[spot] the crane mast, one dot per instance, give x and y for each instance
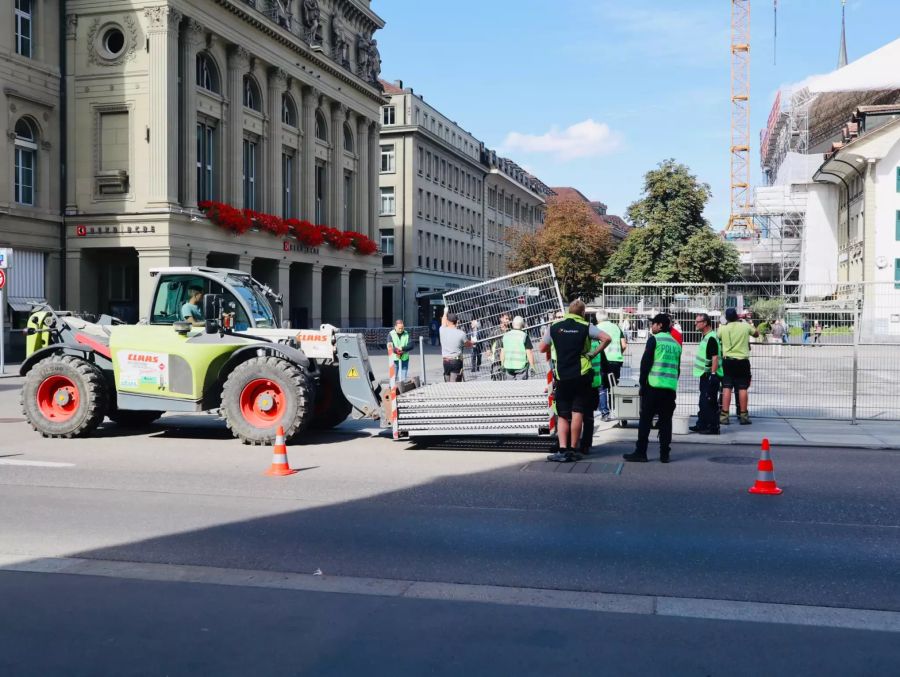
(739, 220)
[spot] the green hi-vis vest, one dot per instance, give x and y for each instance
(666, 362)
(596, 363)
(401, 342)
(570, 338)
(614, 349)
(514, 356)
(702, 364)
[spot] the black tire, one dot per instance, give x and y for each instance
(88, 381)
(332, 408)
(295, 388)
(133, 419)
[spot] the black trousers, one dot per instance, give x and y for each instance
(708, 406)
(656, 402)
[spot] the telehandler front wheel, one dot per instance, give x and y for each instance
(64, 396)
(263, 393)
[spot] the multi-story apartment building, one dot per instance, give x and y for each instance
(272, 106)
(618, 228)
(515, 203)
(431, 206)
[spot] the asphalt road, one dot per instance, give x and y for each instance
(184, 493)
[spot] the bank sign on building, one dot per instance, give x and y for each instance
(228, 133)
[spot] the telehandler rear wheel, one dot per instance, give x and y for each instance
(64, 396)
(263, 393)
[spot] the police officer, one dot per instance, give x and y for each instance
(660, 368)
(570, 340)
(614, 357)
(516, 352)
(398, 349)
(708, 367)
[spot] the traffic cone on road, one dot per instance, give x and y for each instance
(279, 458)
(765, 473)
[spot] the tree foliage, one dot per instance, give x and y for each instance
(672, 242)
(570, 239)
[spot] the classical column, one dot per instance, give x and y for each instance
(345, 297)
(191, 42)
(336, 215)
(71, 114)
(162, 35)
(315, 301)
(373, 181)
(238, 65)
(277, 85)
(378, 310)
(72, 300)
(308, 172)
(284, 288)
(362, 179)
(371, 292)
(245, 263)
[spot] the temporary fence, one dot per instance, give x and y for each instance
(826, 351)
(486, 310)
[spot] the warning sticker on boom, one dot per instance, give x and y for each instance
(352, 373)
(138, 369)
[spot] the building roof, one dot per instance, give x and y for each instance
(598, 210)
(392, 87)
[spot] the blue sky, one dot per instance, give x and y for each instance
(593, 93)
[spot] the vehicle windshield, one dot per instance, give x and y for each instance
(263, 316)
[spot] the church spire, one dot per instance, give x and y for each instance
(842, 57)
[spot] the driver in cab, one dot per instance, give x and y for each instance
(192, 311)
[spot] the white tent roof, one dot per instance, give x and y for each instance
(877, 70)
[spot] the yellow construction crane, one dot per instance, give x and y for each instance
(740, 221)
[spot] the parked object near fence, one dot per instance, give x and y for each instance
(849, 369)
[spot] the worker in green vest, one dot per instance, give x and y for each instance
(516, 352)
(615, 356)
(598, 365)
(660, 368)
(708, 368)
(398, 351)
(735, 338)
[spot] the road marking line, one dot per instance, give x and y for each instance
(649, 605)
(38, 464)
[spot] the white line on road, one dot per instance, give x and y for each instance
(712, 609)
(37, 464)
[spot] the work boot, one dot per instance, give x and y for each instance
(723, 418)
(562, 456)
(709, 431)
(695, 428)
(745, 418)
(663, 456)
(635, 457)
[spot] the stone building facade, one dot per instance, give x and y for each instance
(269, 105)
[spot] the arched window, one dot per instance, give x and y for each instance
(288, 110)
(252, 97)
(207, 73)
(348, 139)
(321, 127)
(26, 159)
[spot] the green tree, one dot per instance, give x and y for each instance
(572, 241)
(671, 241)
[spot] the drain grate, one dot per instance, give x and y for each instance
(733, 460)
(577, 468)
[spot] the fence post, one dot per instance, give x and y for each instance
(855, 378)
(422, 356)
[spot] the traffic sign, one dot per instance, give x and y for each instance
(2, 278)
(4, 258)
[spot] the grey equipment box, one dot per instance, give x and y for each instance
(626, 399)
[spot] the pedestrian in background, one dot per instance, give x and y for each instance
(433, 328)
(516, 352)
(735, 338)
(453, 344)
(806, 328)
(398, 351)
(708, 368)
(817, 332)
(615, 356)
(778, 335)
(660, 369)
(496, 363)
(474, 326)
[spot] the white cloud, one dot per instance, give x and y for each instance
(583, 139)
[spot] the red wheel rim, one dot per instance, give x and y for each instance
(58, 398)
(262, 403)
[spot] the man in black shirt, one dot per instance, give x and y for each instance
(708, 368)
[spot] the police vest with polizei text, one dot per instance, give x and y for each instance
(666, 362)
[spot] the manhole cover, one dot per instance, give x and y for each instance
(579, 468)
(12, 420)
(733, 460)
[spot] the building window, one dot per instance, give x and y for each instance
(419, 202)
(387, 201)
(321, 127)
(206, 142)
(250, 164)
(348, 200)
(320, 193)
(288, 110)
(24, 25)
(387, 242)
(387, 159)
(252, 98)
(388, 115)
(207, 73)
(26, 159)
(421, 160)
(287, 184)
(348, 139)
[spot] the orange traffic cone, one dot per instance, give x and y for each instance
(279, 459)
(765, 473)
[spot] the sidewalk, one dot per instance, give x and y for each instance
(785, 432)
